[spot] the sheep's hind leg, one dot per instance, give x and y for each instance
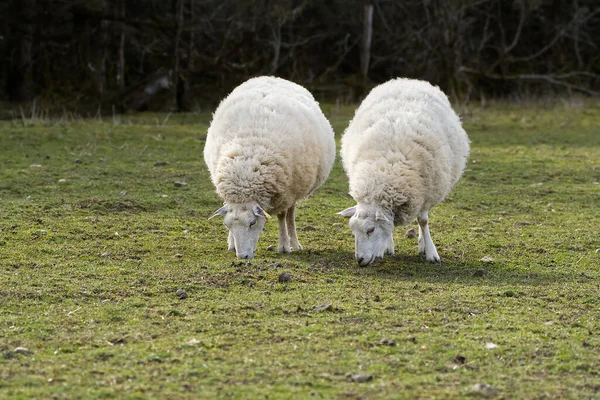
(426, 245)
(284, 237)
(230, 242)
(291, 227)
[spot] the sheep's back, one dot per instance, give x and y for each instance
(407, 129)
(280, 120)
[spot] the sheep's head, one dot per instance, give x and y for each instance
(245, 223)
(372, 228)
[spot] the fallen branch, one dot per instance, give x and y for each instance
(552, 78)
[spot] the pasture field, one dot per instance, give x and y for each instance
(96, 239)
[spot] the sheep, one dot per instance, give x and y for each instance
(268, 146)
(403, 152)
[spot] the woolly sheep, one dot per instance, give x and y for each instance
(268, 146)
(403, 152)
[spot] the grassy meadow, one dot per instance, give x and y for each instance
(113, 283)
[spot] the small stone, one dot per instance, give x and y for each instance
(180, 184)
(29, 198)
(186, 231)
(164, 196)
(41, 232)
(63, 180)
(35, 166)
(77, 161)
(117, 234)
(102, 159)
(598, 251)
(284, 277)
(181, 294)
(22, 350)
(491, 346)
(123, 193)
(387, 342)
(459, 359)
(105, 254)
(479, 273)
(323, 307)
(485, 388)
(361, 378)
(179, 255)
(271, 248)
(309, 228)
(338, 225)
(487, 259)
(411, 233)
(193, 342)
(160, 164)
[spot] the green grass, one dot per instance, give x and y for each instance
(89, 268)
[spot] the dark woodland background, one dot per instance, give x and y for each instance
(185, 54)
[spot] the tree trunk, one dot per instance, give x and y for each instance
(365, 53)
(191, 46)
(276, 30)
(179, 84)
(121, 65)
(20, 79)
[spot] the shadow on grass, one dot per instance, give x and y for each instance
(414, 268)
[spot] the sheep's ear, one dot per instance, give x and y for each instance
(220, 211)
(259, 212)
(348, 212)
(379, 216)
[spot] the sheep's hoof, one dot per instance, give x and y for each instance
(297, 247)
(232, 249)
(284, 249)
(434, 258)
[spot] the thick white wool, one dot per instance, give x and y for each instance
(269, 142)
(405, 148)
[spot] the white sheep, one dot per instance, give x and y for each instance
(268, 146)
(403, 152)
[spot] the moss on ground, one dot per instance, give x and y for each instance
(95, 240)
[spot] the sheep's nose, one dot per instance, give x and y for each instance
(363, 262)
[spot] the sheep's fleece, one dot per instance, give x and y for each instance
(269, 143)
(404, 150)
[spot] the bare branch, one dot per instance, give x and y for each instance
(556, 79)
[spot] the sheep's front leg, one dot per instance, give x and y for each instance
(284, 238)
(230, 242)
(426, 245)
(291, 227)
(390, 248)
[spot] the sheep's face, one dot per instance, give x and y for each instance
(245, 223)
(372, 229)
